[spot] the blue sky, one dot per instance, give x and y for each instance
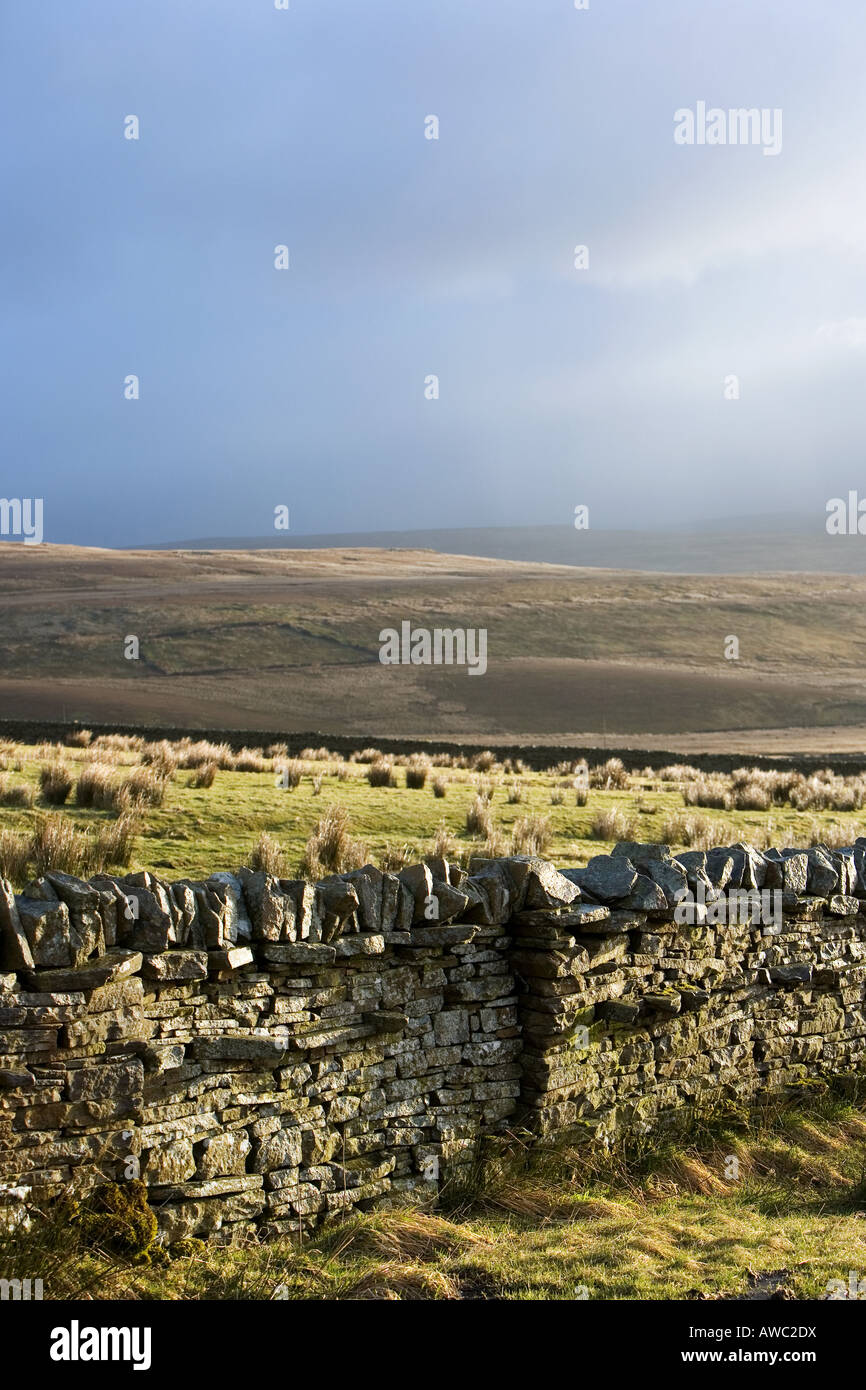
(411, 256)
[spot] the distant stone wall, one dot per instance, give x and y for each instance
(266, 1052)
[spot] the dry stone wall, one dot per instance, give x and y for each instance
(265, 1053)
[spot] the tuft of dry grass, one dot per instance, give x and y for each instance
(479, 817)
(694, 831)
(97, 787)
(57, 845)
(395, 857)
(111, 746)
(675, 772)
(331, 848)
(381, 774)
(290, 774)
(367, 755)
(497, 845)
(14, 857)
(613, 824)
(483, 762)
(713, 792)
(79, 738)
(444, 845)
(114, 844)
(55, 783)
(162, 758)
(268, 856)
(16, 794)
(147, 785)
(198, 753)
(610, 775)
(417, 771)
(251, 760)
(204, 775)
(531, 835)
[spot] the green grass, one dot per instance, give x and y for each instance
(198, 830)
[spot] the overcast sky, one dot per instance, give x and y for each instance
(411, 256)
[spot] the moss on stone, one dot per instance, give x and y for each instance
(116, 1217)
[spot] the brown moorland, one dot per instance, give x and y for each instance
(289, 639)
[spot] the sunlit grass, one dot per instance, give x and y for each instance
(198, 829)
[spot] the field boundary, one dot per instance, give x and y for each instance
(535, 756)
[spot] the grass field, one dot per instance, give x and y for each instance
(492, 808)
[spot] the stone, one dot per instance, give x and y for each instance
(110, 1081)
(842, 905)
(223, 1155)
(336, 904)
(844, 861)
(316, 1078)
(489, 895)
(608, 877)
(228, 889)
(169, 1164)
(307, 953)
(795, 871)
(750, 868)
(451, 1026)
(646, 896)
(368, 883)
(74, 891)
(385, 1021)
(670, 1004)
(53, 940)
(692, 997)
(547, 888)
(823, 876)
(272, 912)
(307, 926)
(161, 1057)
(282, 1149)
(419, 880)
(658, 864)
(791, 974)
(448, 902)
(720, 867)
(15, 952)
(620, 1010)
(457, 935)
(229, 958)
(116, 964)
(360, 944)
(176, 965)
